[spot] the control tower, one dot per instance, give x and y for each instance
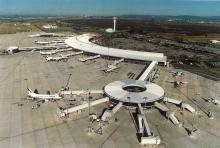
(114, 20)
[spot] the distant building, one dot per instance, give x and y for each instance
(201, 22)
(50, 26)
(215, 41)
(109, 30)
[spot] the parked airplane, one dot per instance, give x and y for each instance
(112, 67)
(177, 73)
(212, 100)
(73, 54)
(177, 83)
(48, 52)
(59, 58)
(89, 58)
(42, 43)
(44, 34)
(57, 41)
(42, 97)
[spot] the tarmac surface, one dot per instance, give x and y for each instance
(23, 127)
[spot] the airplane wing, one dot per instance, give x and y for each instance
(33, 50)
(172, 72)
(41, 101)
(184, 82)
(206, 99)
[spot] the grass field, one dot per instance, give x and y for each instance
(14, 27)
(207, 37)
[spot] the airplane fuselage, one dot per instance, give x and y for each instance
(44, 96)
(56, 58)
(48, 53)
(111, 68)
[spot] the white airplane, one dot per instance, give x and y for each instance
(177, 73)
(42, 97)
(110, 68)
(212, 100)
(59, 58)
(113, 66)
(42, 43)
(44, 34)
(59, 40)
(177, 83)
(73, 54)
(56, 51)
(89, 58)
(48, 52)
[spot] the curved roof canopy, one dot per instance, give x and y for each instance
(82, 42)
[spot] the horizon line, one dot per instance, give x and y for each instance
(84, 15)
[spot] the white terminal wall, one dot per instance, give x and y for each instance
(82, 42)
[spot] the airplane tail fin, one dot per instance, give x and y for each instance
(29, 90)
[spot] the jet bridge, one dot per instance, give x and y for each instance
(81, 92)
(169, 114)
(144, 129)
(109, 113)
(65, 112)
(180, 103)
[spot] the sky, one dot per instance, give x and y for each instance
(111, 7)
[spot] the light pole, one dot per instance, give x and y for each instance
(89, 127)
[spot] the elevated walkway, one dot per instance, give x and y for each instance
(81, 92)
(109, 113)
(180, 103)
(169, 114)
(144, 129)
(147, 73)
(65, 112)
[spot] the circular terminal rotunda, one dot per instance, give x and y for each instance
(133, 92)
